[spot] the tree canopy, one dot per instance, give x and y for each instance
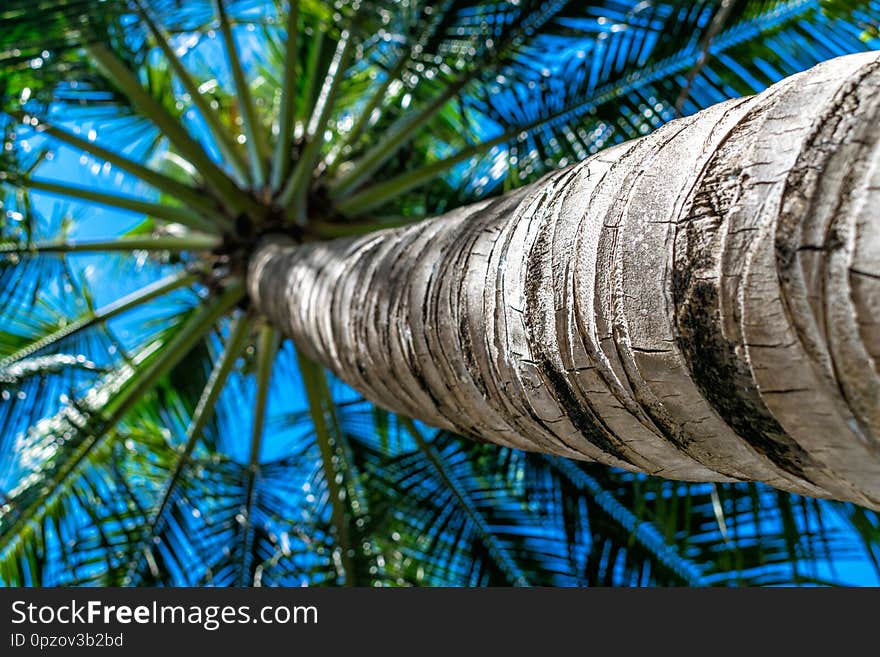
(153, 430)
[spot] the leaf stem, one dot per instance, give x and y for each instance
(191, 197)
(380, 193)
(287, 115)
(363, 118)
(406, 127)
(321, 408)
(194, 242)
(257, 147)
(101, 422)
(267, 346)
(170, 213)
(643, 532)
(204, 411)
(292, 197)
(157, 289)
(225, 188)
(398, 135)
(227, 147)
(511, 570)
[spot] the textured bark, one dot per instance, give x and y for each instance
(702, 303)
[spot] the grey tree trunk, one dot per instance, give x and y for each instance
(702, 303)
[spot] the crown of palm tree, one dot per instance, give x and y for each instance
(154, 429)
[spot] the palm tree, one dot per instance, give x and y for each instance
(148, 428)
(659, 306)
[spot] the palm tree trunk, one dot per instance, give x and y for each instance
(702, 303)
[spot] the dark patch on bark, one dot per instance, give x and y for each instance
(581, 414)
(715, 368)
(583, 419)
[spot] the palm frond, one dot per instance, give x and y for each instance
(148, 436)
(618, 80)
(55, 452)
